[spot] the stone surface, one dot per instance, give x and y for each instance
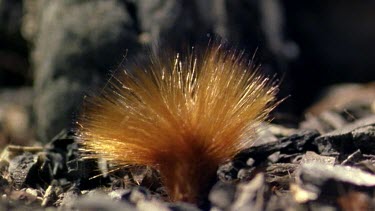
(100, 201)
(68, 199)
(133, 195)
(76, 45)
(319, 178)
(251, 195)
(312, 157)
(15, 118)
(222, 195)
(22, 170)
(284, 150)
(297, 142)
(346, 140)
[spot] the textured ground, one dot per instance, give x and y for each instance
(326, 161)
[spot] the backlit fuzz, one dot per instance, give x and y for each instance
(180, 116)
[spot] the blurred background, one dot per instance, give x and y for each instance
(53, 52)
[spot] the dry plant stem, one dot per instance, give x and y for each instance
(181, 116)
(32, 149)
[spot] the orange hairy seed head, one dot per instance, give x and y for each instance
(183, 117)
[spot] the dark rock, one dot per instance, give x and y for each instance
(365, 137)
(133, 195)
(75, 46)
(222, 195)
(298, 142)
(64, 162)
(23, 170)
(245, 174)
(57, 153)
(4, 184)
(282, 150)
(229, 170)
(346, 140)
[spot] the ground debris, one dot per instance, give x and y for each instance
(330, 166)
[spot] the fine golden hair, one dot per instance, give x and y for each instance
(182, 116)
